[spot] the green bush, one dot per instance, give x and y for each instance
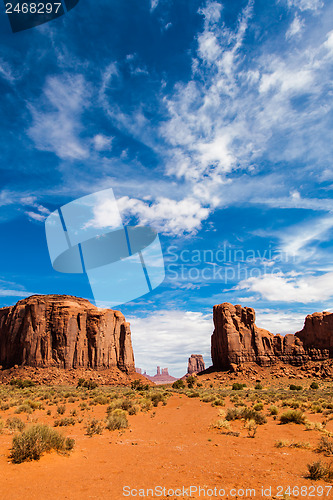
(295, 416)
(15, 424)
(94, 426)
(178, 384)
(258, 406)
(236, 386)
(191, 380)
(157, 398)
(246, 414)
(22, 384)
(31, 443)
(88, 384)
(117, 419)
(258, 387)
(137, 385)
(273, 410)
(314, 385)
(294, 387)
(64, 422)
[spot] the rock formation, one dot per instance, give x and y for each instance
(236, 339)
(196, 364)
(161, 377)
(317, 332)
(66, 332)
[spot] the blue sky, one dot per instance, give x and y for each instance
(211, 121)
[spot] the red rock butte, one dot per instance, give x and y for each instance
(236, 339)
(65, 332)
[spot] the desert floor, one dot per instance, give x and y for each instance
(171, 446)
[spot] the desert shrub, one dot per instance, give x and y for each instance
(137, 385)
(73, 413)
(246, 414)
(24, 408)
(273, 410)
(318, 470)
(22, 384)
(116, 420)
(178, 384)
(64, 422)
(101, 400)
(218, 402)
(258, 386)
(193, 394)
(236, 386)
(4, 406)
(15, 424)
(145, 404)
(88, 384)
(191, 380)
(222, 424)
(2, 425)
(93, 427)
(316, 408)
(314, 385)
(133, 410)
(157, 398)
(299, 444)
(251, 428)
(295, 416)
(31, 443)
(258, 406)
(208, 399)
(325, 446)
(294, 387)
(61, 409)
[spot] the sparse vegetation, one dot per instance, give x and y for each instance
(178, 384)
(93, 427)
(319, 470)
(32, 442)
(117, 419)
(295, 416)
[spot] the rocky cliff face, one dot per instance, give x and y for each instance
(236, 339)
(64, 331)
(317, 332)
(196, 364)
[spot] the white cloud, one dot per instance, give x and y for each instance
(306, 4)
(153, 4)
(102, 142)
(236, 111)
(297, 240)
(289, 288)
(279, 321)
(295, 28)
(6, 71)
(36, 216)
(56, 118)
(166, 215)
(168, 338)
